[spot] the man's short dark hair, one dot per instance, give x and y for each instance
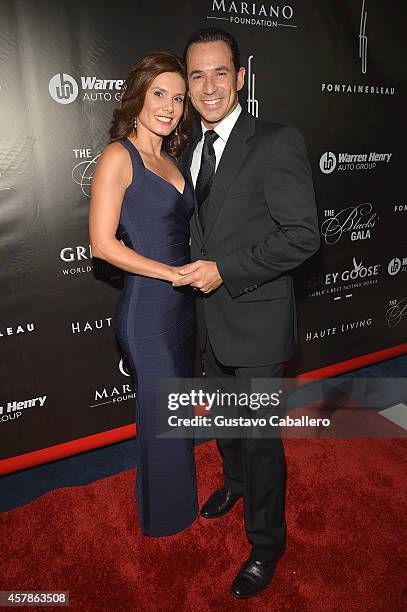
(206, 35)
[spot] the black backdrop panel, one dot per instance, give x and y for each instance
(335, 70)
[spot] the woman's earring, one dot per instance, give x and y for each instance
(176, 131)
(135, 123)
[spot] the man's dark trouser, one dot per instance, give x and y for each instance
(254, 468)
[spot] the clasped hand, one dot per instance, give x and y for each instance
(202, 275)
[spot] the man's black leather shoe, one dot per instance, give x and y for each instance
(253, 577)
(219, 503)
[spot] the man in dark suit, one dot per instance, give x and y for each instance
(255, 221)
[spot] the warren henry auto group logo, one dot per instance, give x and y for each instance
(64, 89)
(397, 265)
(341, 162)
(14, 409)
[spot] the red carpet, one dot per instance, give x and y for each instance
(346, 549)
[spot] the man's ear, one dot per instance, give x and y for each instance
(240, 78)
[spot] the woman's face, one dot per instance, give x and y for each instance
(164, 104)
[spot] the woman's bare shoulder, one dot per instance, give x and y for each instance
(114, 164)
(114, 152)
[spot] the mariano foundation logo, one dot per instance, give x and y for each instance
(115, 394)
(253, 14)
(123, 366)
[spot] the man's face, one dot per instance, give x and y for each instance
(212, 80)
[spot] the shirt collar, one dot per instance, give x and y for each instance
(224, 128)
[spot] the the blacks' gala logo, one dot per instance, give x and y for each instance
(355, 221)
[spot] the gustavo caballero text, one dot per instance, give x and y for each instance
(224, 421)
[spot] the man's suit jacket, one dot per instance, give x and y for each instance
(261, 224)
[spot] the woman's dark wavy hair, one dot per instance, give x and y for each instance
(133, 95)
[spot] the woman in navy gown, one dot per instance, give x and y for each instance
(139, 221)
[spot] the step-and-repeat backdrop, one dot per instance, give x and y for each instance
(333, 69)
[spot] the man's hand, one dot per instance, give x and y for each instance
(202, 275)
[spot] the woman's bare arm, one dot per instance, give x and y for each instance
(112, 176)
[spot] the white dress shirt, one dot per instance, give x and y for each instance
(223, 130)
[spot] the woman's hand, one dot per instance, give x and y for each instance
(173, 274)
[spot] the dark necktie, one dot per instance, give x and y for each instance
(206, 173)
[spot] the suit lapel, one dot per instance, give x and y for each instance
(187, 161)
(236, 150)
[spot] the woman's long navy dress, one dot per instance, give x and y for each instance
(155, 326)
